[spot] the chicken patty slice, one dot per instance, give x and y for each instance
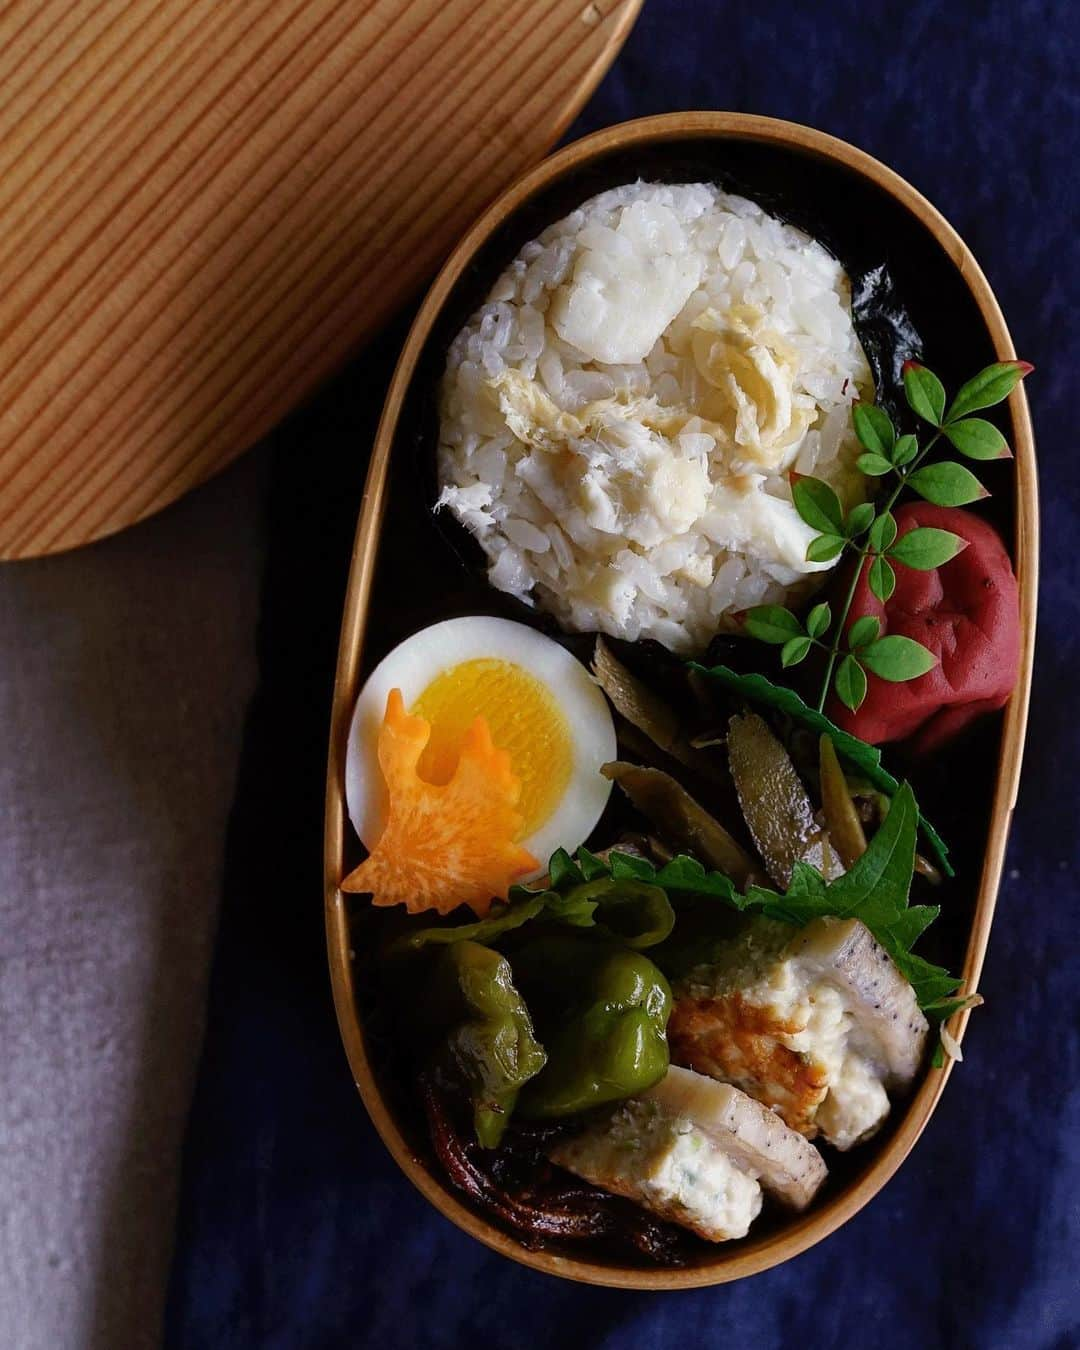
(818, 1025)
(695, 1152)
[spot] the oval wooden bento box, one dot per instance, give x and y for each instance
(955, 310)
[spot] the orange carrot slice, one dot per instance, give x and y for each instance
(448, 845)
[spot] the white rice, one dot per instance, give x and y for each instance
(620, 419)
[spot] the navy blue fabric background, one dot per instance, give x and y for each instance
(296, 1229)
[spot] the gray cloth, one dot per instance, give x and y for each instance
(125, 670)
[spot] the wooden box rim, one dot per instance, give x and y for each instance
(750, 1256)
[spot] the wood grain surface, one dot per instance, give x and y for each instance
(206, 206)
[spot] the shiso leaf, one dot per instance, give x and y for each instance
(562, 869)
(631, 867)
(874, 890)
(866, 758)
(915, 920)
(591, 866)
(686, 876)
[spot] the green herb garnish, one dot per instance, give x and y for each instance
(869, 532)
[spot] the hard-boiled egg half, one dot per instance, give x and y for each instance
(541, 707)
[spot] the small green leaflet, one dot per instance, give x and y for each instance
(905, 450)
(863, 631)
(866, 758)
(772, 623)
(990, 386)
(926, 547)
(977, 438)
(818, 505)
(882, 579)
(818, 620)
(874, 465)
(897, 658)
(874, 429)
(925, 392)
(875, 890)
(825, 548)
(859, 519)
(850, 683)
(883, 532)
(946, 483)
(798, 649)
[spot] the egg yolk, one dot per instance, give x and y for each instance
(524, 720)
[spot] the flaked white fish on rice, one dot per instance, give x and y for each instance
(620, 420)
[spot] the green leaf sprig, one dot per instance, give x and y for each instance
(870, 533)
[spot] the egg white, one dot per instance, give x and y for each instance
(420, 659)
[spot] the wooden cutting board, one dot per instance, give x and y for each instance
(207, 205)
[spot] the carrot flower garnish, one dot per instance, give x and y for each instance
(443, 845)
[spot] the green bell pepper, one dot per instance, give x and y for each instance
(636, 913)
(601, 1012)
(491, 1045)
